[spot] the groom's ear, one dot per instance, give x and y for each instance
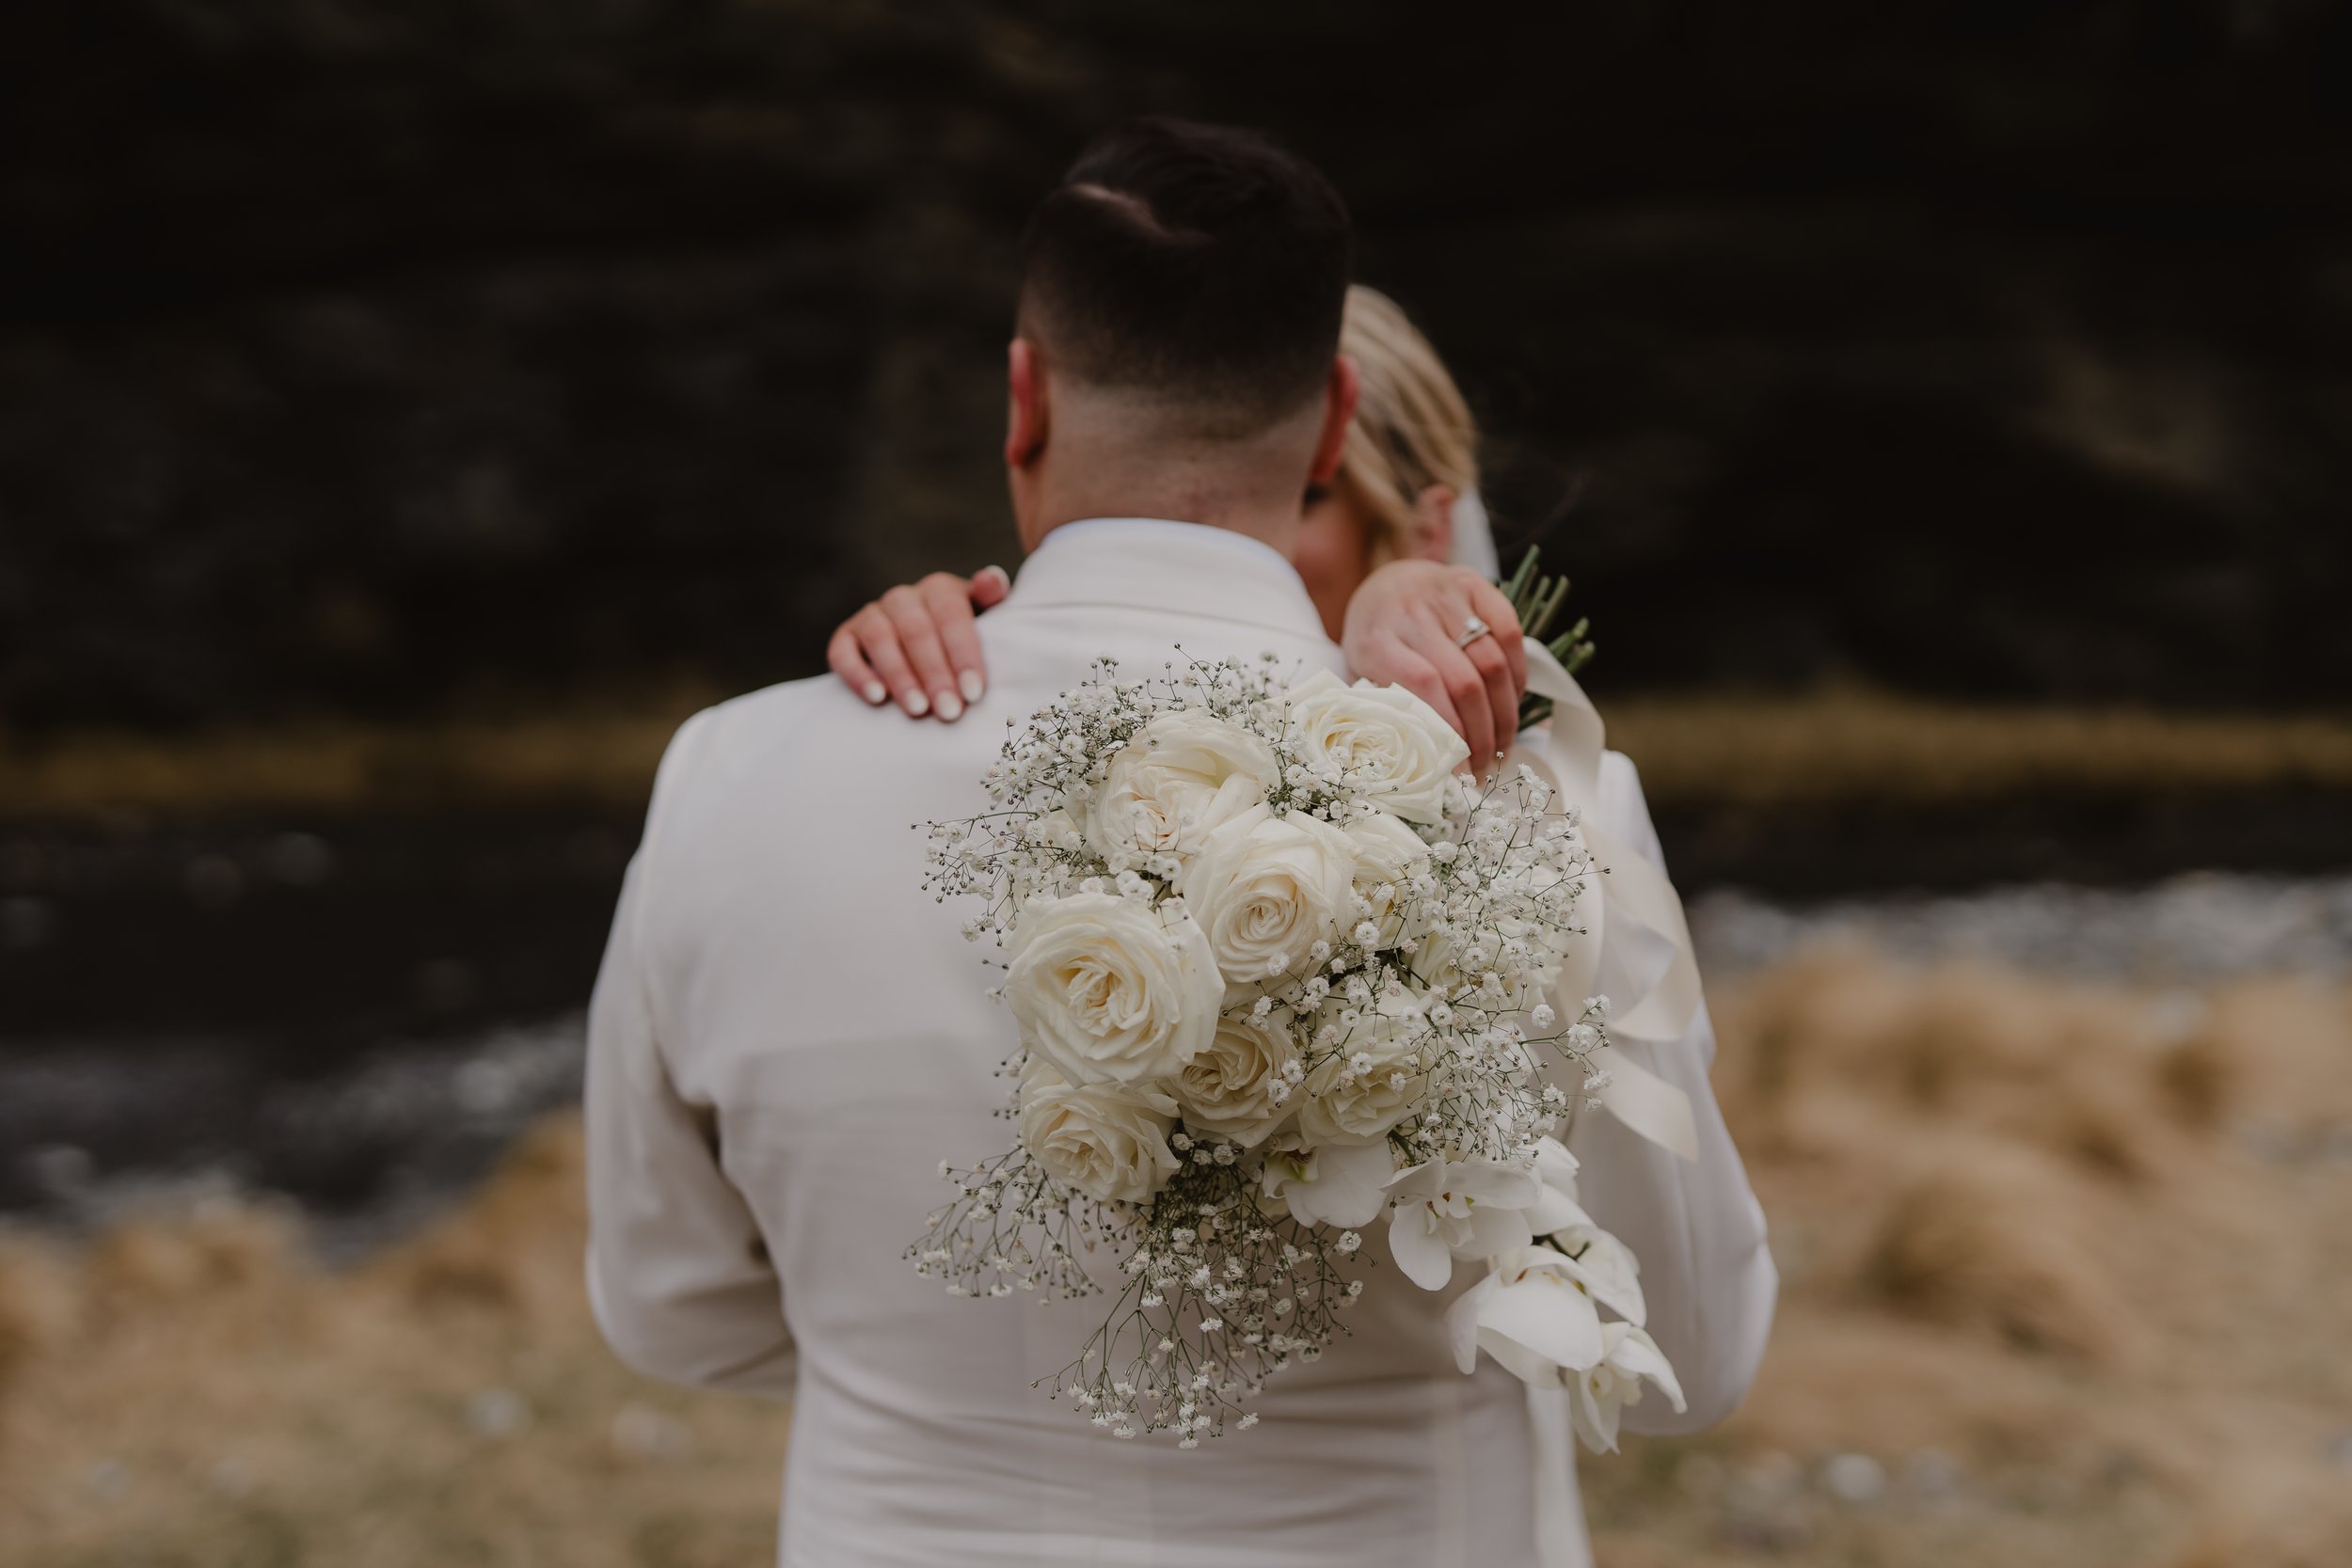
(1339, 409)
(1025, 405)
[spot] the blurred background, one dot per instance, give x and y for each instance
(409, 413)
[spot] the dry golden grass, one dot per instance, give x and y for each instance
(591, 757)
(191, 1393)
(2052, 1233)
(1824, 747)
(2062, 1260)
(1868, 746)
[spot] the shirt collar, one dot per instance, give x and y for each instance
(1156, 564)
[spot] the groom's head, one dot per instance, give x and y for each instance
(1179, 327)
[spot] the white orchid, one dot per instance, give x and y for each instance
(1530, 1316)
(1556, 1209)
(1447, 1208)
(1341, 1184)
(1598, 1395)
(1605, 1269)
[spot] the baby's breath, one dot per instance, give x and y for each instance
(1423, 1008)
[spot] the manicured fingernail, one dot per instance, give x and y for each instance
(970, 681)
(877, 693)
(917, 704)
(949, 708)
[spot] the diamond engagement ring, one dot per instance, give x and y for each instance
(1473, 630)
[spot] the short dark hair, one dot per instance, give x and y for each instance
(1203, 263)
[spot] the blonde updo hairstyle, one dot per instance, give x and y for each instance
(1412, 428)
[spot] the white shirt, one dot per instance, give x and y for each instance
(788, 1035)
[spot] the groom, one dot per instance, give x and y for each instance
(788, 1035)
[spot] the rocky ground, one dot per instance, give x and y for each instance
(2051, 1176)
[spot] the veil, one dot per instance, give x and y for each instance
(1474, 537)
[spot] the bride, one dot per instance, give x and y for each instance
(1397, 554)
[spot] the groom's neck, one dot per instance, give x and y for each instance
(1105, 464)
(1270, 521)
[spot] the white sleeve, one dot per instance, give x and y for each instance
(678, 1275)
(1696, 1228)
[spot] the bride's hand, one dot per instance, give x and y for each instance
(917, 644)
(1403, 628)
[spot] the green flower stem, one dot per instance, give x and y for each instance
(1538, 600)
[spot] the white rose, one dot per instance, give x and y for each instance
(1345, 1106)
(1168, 789)
(1228, 1090)
(1402, 753)
(1110, 989)
(1108, 1141)
(1388, 855)
(1266, 888)
(1437, 965)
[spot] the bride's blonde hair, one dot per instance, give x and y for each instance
(1412, 428)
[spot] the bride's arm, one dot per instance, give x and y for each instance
(916, 646)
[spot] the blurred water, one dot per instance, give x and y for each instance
(370, 1144)
(368, 1147)
(2204, 927)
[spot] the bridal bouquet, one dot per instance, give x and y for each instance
(1279, 973)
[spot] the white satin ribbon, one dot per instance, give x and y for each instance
(1637, 950)
(1560, 1538)
(1635, 927)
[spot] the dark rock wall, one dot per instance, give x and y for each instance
(380, 357)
